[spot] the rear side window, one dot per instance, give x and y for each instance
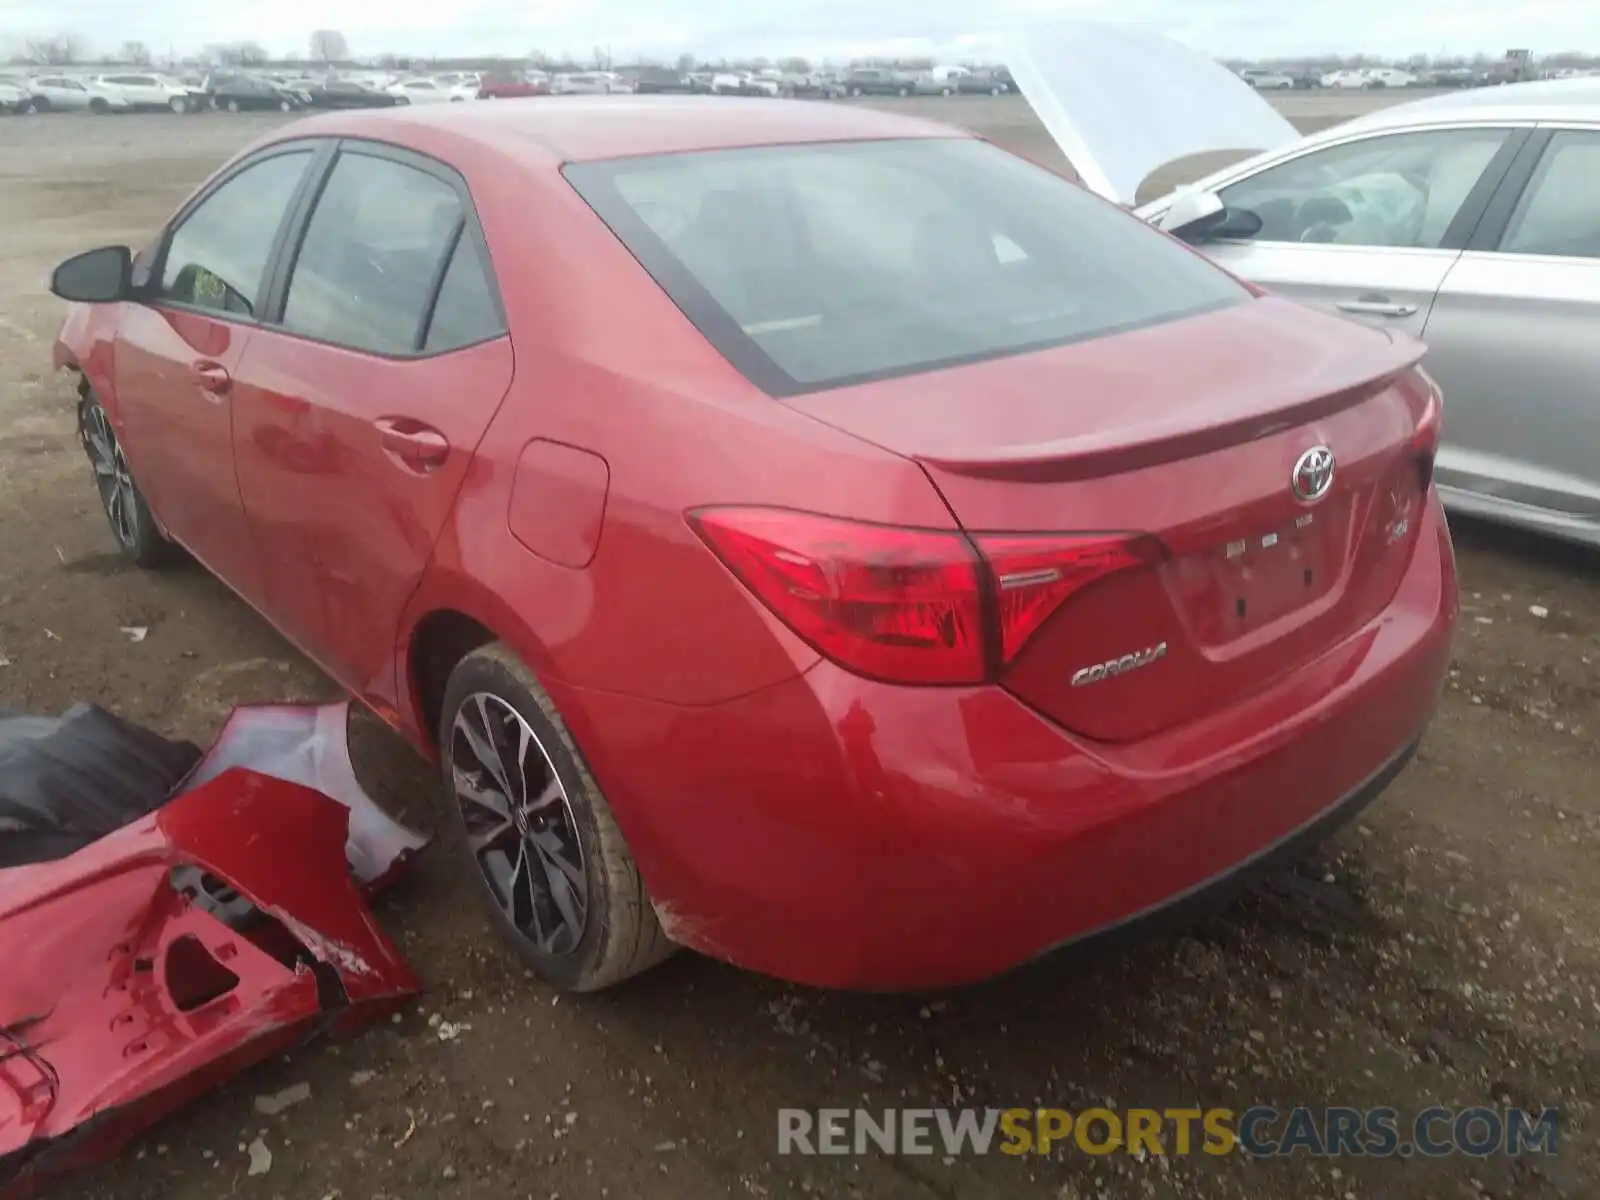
(817, 266)
(1559, 213)
(466, 312)
(371, 255)
(218, 254)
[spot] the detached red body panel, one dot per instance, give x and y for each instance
(124, 998)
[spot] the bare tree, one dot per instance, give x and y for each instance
(328, 45)
(60, 51)
(237, 54)
(795, 66)
(686, 63)
(136, 53)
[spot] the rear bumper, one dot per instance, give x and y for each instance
(845, 833)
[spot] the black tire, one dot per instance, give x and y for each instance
(41, 104)
(99, 107)
(285, 105)
(620, 934)
(233, 106)
(138, 537)
(997, 91)
(179, 104)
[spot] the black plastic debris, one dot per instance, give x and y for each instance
(68, 781)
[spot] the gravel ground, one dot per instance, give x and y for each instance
(1443, 950)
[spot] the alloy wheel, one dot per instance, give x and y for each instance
(112, 477)
(519, 823)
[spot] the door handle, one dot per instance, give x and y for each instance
(1377, 306)
(414, 445)
(212, 377)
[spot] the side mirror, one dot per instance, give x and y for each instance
(101, 276)
(1189, 209)
(1197, 217)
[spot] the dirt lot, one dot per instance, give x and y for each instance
(1443, 950)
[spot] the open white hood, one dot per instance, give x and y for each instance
(1121, 101)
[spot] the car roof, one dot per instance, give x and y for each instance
(586, 129)
(1544, 100)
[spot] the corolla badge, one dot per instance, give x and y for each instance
(1312, 475)
(1119, 666)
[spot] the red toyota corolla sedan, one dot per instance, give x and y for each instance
(810, 536)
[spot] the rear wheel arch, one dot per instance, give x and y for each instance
(452, 615)
(438, 642)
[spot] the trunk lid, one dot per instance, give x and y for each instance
(1186, 437)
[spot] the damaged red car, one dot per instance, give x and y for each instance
(812, 536)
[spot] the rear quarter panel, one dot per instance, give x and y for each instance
(606, 364)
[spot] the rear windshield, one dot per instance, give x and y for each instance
(814, 266)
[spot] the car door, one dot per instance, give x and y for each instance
(1367, 228)
(359, 410)
(178, 350)
(138, 90)
(66, 93)
(1514, 340)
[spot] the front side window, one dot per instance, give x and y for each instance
(1559, 213)
(817, 265)
(1392, 190)
(371, 253)
(217, 258)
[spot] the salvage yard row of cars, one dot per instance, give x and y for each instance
(236, 91)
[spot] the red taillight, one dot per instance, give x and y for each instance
(908, 605)
(1424, 445)
(1035, 573)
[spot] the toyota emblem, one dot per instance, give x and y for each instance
(1312, 475)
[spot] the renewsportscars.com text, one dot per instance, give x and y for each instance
(1259, 1131)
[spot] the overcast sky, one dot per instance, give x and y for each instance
(815, 28)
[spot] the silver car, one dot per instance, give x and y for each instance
(1473, 222)
(1470, 220)
(63, 93)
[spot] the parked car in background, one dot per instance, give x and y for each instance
(815, 86)
(1389, 77)
(727, 83)
(513, 85)
(929, 84)
(1468, 220)
(1346, 79)
(14, 98)
(984, 83)
(423, 91)
(347, 93)
(239, 92)
(1267, 79)
(1454, 77)
(470, 80)
(588, 83)
(149, 92)
(913, 709)
(753, 84)
(65, 94)
(655, 81)
(878, 81)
